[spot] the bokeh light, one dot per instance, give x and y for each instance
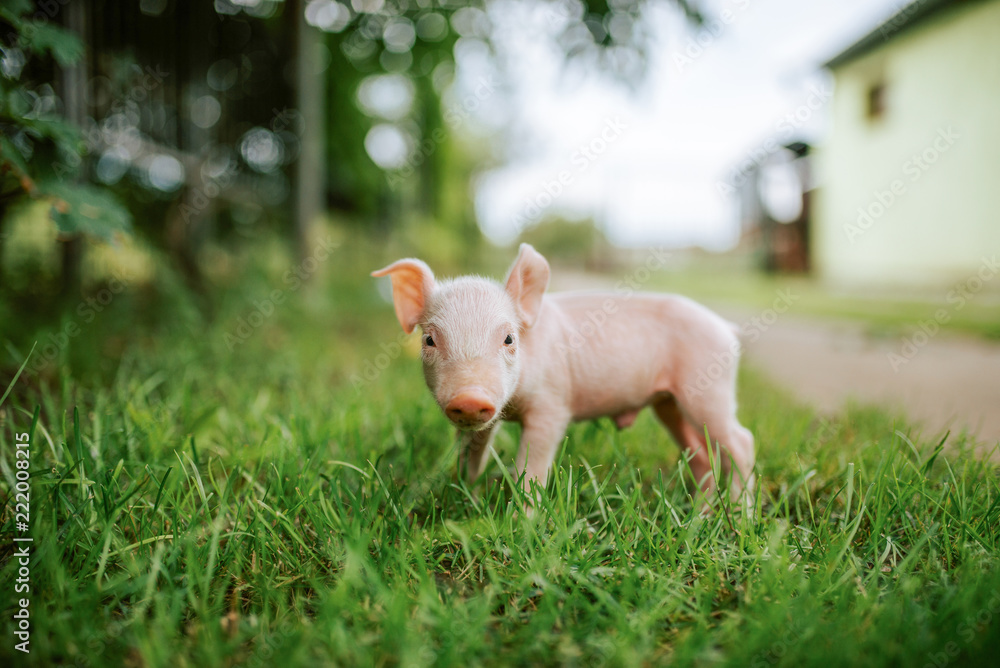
(387, 145)
(388, 96)
(262, 150)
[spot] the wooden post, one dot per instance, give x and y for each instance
(308, 173)
(73, 80)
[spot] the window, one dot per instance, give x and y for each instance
(876, 102)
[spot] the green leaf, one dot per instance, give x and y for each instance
(18, 104)
(18, 375)
(13, 11)
(65, 135)
(9, 155)
(80, 208)
(64, 46)
(19, 6)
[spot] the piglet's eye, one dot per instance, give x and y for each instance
(509, 340)
(429, 341)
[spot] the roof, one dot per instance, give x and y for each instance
(905, 19)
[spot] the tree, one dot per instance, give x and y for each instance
(41, 150)
(412, 41)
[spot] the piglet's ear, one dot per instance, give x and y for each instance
(412, 285)
(526, 283)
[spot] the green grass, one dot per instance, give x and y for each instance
(193, 506)
(728, 281)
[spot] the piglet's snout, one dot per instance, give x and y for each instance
(470, 407)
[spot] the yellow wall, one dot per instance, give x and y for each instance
(942, 75)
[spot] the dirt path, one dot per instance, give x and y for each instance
(948, 382)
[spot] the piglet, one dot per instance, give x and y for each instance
(495, 352)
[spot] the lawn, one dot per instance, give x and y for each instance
(200, 497)
(971, 305)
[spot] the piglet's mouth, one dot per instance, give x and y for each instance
(471, 408)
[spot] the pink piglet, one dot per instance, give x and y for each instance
(495, 352)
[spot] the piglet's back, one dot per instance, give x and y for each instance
(623, 349)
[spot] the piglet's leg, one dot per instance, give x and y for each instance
(716, 410)
(540, 439)
(689, 439)
(473, 449)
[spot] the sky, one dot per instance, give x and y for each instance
(651, 165)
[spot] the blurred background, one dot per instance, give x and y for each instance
(223, 175)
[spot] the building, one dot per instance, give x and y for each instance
(909, 175)
(775, 202)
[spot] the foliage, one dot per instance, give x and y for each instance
(602, 35)
(40, 151)
(292, 500)
(136, 124)
(568, 240)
